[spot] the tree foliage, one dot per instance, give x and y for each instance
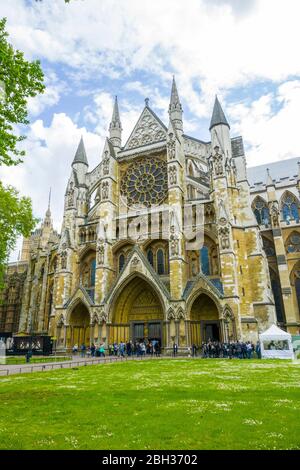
(19, 80)
(15, 218)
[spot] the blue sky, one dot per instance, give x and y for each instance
(246, 51)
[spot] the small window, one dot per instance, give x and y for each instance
(121, 262)
(150, 257)
(160, 262)
(205, 261)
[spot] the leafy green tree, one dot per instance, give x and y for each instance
(15, 219)
(19, 80)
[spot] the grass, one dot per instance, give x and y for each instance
(160, 404)
(34, 359)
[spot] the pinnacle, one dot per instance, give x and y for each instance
(218, 116)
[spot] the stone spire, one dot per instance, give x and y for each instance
(115, 127)
(218, 116)
(175, 108)
(80, 155)
(269, 179)
(48, 213)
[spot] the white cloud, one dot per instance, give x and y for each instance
(50, 97)
(269, 133)
(49, 154)
(209, 47)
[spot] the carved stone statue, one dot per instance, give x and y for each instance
(106, 163)
(64, 256)
(70, 195)
(274, 214)
(174, 242)
(171, 145)
(105, 190)
(224, 237)
(173, 175)
(101, 252)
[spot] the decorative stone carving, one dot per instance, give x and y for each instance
(105, 190)
(64, 257)
(171, 147)
(218, 162)
(70, 195)
(147, 131)
(101, 251)
(106, 163)
(274, 214)
(171, 314)
(224, 234)
(135, 262)
(174, 242)
(173, 174)
(103, 316)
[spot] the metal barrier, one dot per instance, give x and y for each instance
(70, 364)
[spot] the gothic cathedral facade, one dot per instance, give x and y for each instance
(125, 267)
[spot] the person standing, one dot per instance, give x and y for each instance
(258, 350)
(175, 349)
(83, 350)
(93, 349)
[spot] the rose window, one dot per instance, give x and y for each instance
(145, 183)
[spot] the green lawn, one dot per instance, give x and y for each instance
(159, 404)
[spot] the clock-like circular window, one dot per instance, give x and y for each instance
(145, 183)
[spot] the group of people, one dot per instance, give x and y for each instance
(136, 348)
(92, 351)
(209, 349)
(233, 349)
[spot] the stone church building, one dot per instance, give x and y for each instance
(123, 266)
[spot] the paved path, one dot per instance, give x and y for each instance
(6, 369)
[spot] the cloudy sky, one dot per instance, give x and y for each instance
(247, 51)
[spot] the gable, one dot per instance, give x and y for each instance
(148, 130)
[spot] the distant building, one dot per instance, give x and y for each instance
(116, 273)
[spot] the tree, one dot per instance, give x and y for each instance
(19, 80)
(15, 219)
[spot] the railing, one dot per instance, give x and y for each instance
(70, 364)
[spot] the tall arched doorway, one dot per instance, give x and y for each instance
(204, 320)
(79, 326)
(137, 313)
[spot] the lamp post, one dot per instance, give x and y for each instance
(29, 352)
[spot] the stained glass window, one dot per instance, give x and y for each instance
(261, 211)
(145, 182)
(269, 247)
(205, 261)
(290, 208)
(150, 257)
(93, 272)
(121, 262)
(160, 262)
(293, 243)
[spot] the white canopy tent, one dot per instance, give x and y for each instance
(276, 343)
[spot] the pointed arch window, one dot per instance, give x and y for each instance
(290, 208)
(160, 262)
(121, 262)
(293, 243)
(93, 272)
(150, 257)
(204, 260)
(269, 247)
(261, 211)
